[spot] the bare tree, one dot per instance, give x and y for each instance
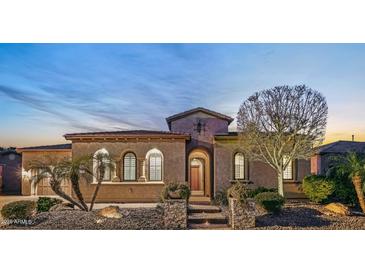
(279, 125)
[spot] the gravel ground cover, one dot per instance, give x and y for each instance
(305, 216)
(133, 219)
(294, 216)
(308, 217)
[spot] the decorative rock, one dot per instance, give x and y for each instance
(174, 194)
(175, 214)
(110, 212)
(338, 209)
(242, 216)
(62, 207)
(99, 221)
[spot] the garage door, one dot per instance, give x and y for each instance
(44, 188)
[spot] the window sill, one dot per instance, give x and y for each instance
(291, 182)
(130, 183)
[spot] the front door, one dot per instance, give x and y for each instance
(195, 180)
(197, 177)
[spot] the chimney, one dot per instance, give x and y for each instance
(353, 138)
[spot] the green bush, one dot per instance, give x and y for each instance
(318, 188)
(238, 191)
(175, 191)
(221, 197)
(45, 203)
(344, 190)
(253, 192)
(270, 201)
(19, 210)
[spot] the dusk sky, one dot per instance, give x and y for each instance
(47, 90)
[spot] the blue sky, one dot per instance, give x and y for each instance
(47, 90)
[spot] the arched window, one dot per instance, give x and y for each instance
(104, 154)
(239, 166)
(155, 165)
(288, 171)
(129, 167)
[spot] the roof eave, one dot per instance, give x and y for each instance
(71, 137)
(20, 150)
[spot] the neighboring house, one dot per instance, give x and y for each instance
(198, 149)
(10, 172)
(326, 154)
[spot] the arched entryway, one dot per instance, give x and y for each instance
(199, 173)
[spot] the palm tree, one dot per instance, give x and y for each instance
(55, 173)
(74, 169)
(354, 166)
(102, 163)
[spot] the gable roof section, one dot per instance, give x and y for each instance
(341, 147)
(59, 147)
(127, 134)
(198, 109)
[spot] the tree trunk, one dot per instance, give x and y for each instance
(57, 189)
(357, 181)
(281, 182)
(76, 189)
(94, 195)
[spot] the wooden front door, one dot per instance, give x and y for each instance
(195, 178)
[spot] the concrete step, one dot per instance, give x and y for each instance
(211, 218)
(209, 226)
(204, 209)
(199, 200)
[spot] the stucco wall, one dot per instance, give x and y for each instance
(257, 173)
(173, 169)
(210, 126)
(202, 140)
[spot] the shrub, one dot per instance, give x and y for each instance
(318, 188)
(253, 192)
(21, 210)
(270, 201)
(221, 197)
(344, 191)
(45, 203)
(238, 191)
(175, 191)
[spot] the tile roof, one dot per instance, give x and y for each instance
(342, 147)
(198, 109)
(127, 133)
(46, 147)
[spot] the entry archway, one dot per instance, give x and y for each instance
(199, 173)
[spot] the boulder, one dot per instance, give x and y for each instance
(337, 209)
(110, 212)
(62, 207)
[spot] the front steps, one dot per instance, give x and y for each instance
(206, 217)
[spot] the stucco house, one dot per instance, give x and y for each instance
(10, 175)
(198, 149)
(326, 154)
